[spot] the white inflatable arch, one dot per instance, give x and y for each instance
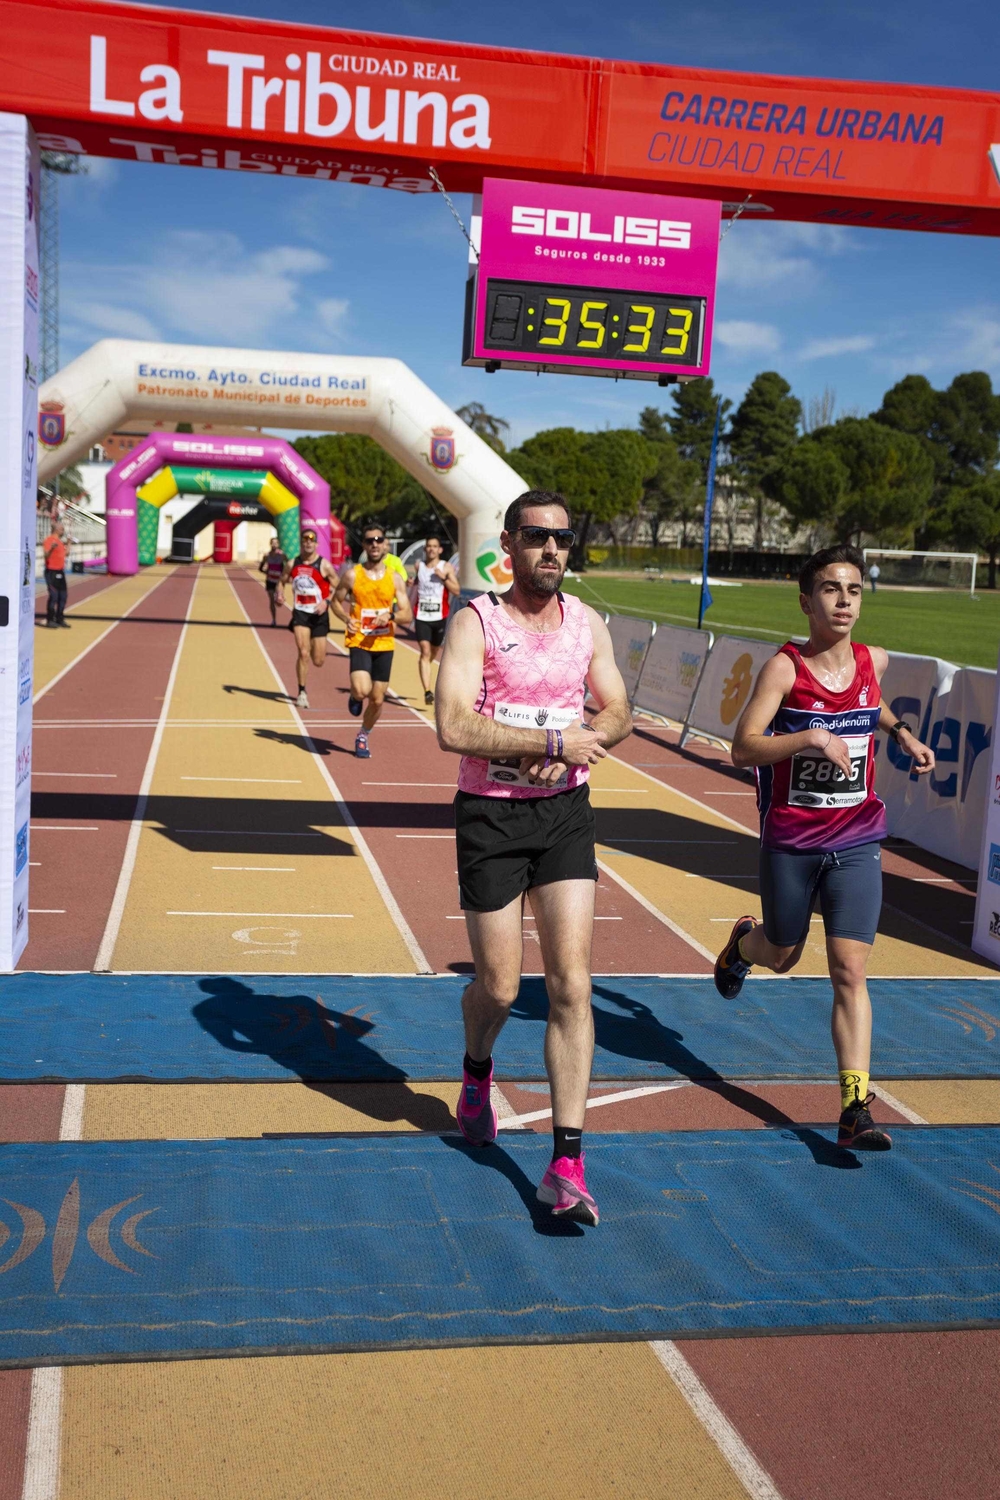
(120, 380)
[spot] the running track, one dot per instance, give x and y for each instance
(155, 702)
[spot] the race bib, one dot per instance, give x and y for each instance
(308, 596)
(429, 609)
(817, 782)
(376, 622)
(526, 716)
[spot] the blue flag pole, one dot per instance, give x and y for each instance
(705, 602)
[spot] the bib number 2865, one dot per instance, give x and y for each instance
(817, 782)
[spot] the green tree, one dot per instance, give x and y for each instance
(763, 431)
(811, 483)
(491, 429)
(890, 479)
(673, 491)
(365, 482)
(692, 420)
(973, 519)
(601, 474)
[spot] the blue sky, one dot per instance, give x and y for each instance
(206, 257)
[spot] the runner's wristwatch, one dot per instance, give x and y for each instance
(899, 724)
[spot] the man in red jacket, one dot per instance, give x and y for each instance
(54, 550)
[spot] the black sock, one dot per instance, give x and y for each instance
(477, 1069)
(568, 1142)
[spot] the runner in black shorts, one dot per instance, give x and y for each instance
(434, 584)
(311, 577)
(272, 565)
(510, 701)
(808, 730)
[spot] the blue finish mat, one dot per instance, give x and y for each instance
(337, 1028)
(175, 1250)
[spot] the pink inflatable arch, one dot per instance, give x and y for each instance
(162, 448)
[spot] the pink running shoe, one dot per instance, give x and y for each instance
(477, 1119)
(564, 1187)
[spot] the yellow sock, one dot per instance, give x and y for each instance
(739, 949)
(853, 1086)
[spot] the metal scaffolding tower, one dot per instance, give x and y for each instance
(55, 164)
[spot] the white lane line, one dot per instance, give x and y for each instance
(448, 786)
(103, 636)
(897, 1104)
(250, 780)
(425, 836)
(620, 1098)
(65, 828)
(115, 915)
(392, 905)
(729, 794)
(740, 1458)
(341, 915)
(46, 911)
(43, 1448)
(270, 869)
(655, 911)
(80, 775)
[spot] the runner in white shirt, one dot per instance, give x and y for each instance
(434, 581)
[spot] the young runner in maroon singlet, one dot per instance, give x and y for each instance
(510, 701)
(809, 732)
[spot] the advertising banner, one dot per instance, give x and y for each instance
(986, 930)
(19, 290)
(630, 639)
(726, 684)
(671, 670)
(233, 93)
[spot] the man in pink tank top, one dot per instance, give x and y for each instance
(510, 698)
(808, 731)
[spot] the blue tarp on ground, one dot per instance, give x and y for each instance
(337, 1028)
(176, 1249)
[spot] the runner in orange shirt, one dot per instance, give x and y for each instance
(54, 550)
(378, 601)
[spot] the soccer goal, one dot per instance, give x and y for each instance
(938, 570)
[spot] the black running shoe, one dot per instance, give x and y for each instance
(730, 968)
(859, 1131)
(428, 697)
(355, 705)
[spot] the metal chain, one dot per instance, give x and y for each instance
(736, 215)
(454, 211)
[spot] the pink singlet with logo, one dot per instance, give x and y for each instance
(530, 681)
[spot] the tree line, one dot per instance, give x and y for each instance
(921, 471)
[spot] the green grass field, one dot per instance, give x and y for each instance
(944, 623)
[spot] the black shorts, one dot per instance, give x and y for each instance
(848, 883)
(431, 630)
(378, 664)
(271, 585)
(317, 624)
(508, 845)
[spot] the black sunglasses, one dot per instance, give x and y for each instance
(537, 536)
(371, 539)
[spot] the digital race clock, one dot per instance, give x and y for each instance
(583, 281)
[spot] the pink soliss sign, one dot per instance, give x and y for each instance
(583, 281)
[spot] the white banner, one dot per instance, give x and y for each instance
(630, 639)
(726, 684)
(670, 673)
(19, 290)
(951, 709)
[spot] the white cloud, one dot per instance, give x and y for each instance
(121, 322)
(740, 336)
(202, 285)
(786, 256)
(856, 343)
(333, 313)
(978, 339)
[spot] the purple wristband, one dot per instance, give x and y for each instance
(549, 747)
(559, 744)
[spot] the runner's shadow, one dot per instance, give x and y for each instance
(267, 694)
(325, 1047)
(300, 742)
(639, 1034)
(495, 1158)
